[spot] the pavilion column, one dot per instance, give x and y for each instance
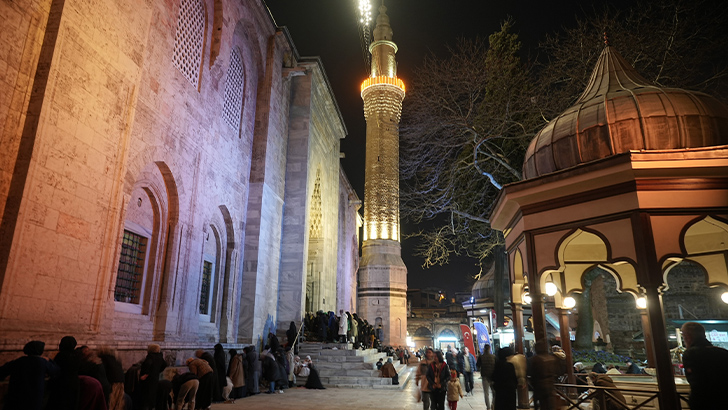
(668, 397)
(649, 275)
(566, 345)
(648, 338)
(518, 333)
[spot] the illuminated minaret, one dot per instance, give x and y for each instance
(382, 287)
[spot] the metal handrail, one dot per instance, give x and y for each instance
(300, 328)
(603, 393)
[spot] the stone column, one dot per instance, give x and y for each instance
(566, 345)
(648, 338)
(517, 309)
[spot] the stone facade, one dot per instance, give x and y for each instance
(187, 134)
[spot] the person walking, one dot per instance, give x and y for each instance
(467, 365)
(438, 373)
(505, 381)
(542, 371)
(421, 378)
(486, 363)
(454, 390)
(703, 362)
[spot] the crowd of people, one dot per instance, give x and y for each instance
(505, 373)
(81, 378)
(344, 328)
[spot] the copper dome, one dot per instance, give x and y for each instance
(620, 111)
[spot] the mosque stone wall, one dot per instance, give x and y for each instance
(108, 139)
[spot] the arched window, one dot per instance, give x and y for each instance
(189, 40)
(209, 275)
(232, 110)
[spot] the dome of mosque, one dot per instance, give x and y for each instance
(621, 111)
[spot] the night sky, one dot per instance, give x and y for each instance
(328, 29)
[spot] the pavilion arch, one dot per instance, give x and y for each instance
(580, 251)
(423, 331)
(519, 280)
(705, 242)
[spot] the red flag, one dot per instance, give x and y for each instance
(467, 338)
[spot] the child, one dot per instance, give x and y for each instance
(454, 391)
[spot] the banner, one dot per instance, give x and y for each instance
(467, 338)
(483, 336)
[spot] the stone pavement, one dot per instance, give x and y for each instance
(343, 398)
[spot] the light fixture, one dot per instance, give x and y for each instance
(641, 302)
(569, 302)
(550, 287)
(724, 297)
(526, 298)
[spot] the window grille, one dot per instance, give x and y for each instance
(206, 285)
(234, 91)
(189, 39)
(131, 268)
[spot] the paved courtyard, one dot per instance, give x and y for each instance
(339, 398)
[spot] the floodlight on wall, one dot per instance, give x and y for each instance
(526, 298)
(724, 297)
(641, 302)
(569, 302)
(550, 287)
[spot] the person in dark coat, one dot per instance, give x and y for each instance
(599, 368)
(703, 365)
(542, 372)
(291, 337)
(92, 394)
(632, 367)
(216, 388)
(254, 370)
(270, 371)
(438, 373)
(221, 370)
(115, 376)
(91, 366)
(505, 381)
(313, 381)
(64, 389)
(614, 400)
(273, 343)
(149, 372)
(27, 378)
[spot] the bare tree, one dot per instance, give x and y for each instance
(469, 117)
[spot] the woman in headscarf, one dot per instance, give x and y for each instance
(505, 381)
(237, 374)
(438, 373)
(291, 337)
(221, 374)
(313, 381)
(152, 366)
(65, 388)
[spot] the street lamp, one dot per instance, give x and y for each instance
(472, 310)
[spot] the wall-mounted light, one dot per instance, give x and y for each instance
(569, 302)
(550, 287)
(526, 298)
(641, 302)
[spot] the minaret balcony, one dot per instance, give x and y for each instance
(382, 80)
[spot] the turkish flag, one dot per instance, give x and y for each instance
(467, 338)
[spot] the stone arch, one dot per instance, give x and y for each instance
(155, 185)
(423, 331)
(315, 260)
(705, 242)
(209, 288)
(227, 304)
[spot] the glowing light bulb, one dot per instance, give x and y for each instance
(527, 298)
(641, 302)
(569, 302)
(724, 297)
(551, 288)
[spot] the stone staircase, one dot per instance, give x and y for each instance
(347, 367)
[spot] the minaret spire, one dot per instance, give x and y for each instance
(382, 274)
